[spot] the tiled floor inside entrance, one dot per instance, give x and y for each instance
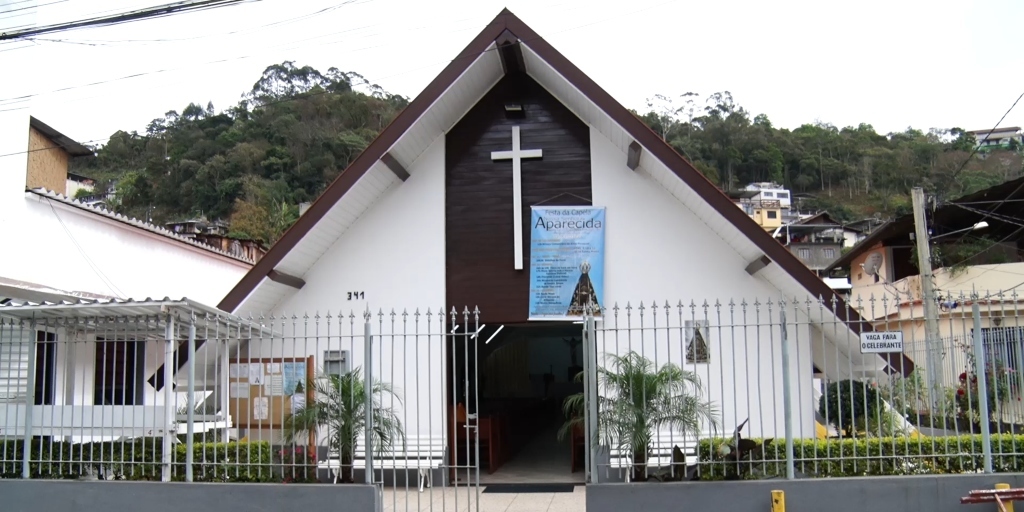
(544, 460)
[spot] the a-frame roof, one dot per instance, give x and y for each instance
(450, 95)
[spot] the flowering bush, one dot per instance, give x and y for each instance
(997, 383)
(297, 466)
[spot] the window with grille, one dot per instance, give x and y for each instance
(1003, 346)
(120, 368)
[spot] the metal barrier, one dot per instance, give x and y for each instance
(671, 390)
(814, 397)
(169, 390)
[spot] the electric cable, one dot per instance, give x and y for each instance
(283, 47)
(158, 11)
(976, 146)
(32, 7)
(304, 96)
(134, 42)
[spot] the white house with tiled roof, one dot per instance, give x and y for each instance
(65, 248)
(58, 249)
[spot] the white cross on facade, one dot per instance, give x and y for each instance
(517, 155)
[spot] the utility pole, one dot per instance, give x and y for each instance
(932, 343)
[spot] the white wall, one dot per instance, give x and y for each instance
(656, 249)
(14, 160)
(59, 246)
(395, 253)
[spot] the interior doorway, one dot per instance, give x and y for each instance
(523, 373)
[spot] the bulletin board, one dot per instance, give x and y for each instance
(263, 392)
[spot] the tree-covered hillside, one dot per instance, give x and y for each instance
(852, 171)
(298, 128)
(289, 136)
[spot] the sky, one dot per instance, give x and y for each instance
(892, 63)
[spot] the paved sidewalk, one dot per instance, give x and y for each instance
(466, 500)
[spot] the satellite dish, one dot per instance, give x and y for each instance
(871, 264)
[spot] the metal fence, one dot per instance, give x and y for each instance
(288, 398)
(786, 389)
(284, 398)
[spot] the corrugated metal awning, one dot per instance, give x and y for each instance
(92, 311)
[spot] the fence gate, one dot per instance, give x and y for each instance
(421, 392)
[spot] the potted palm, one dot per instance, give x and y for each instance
(339, 405)
(638, 400)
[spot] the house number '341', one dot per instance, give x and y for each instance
(356, 295)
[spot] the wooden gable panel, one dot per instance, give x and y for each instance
(478, 192)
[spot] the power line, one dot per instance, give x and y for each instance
(99, 273)
(991, 211)
(20, 2)
(32, 7)
(188, 66)
(976, 146)
(990, 202)
(19, 99)
(134, 42)
(84, 143)
(220, 61)
(1003, 218)
(126, 17)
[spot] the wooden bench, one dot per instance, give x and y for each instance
(997, 496)
(658, 456)
(421, 454)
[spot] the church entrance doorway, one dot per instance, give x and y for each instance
(524, 374)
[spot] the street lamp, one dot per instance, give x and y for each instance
(975, 227)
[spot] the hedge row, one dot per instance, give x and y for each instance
(882, 456)
(141, 460)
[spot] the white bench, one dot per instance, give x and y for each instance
(423, 454)
(658, 456)
(202, 423)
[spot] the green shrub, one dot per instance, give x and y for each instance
(141, 460)
(227, 462)
(879, 456)
(849, 405)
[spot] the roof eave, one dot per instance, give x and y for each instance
(72, 147)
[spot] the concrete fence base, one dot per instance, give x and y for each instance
(931, 493)
(100, 496)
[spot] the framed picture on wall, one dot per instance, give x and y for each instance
(697, 342)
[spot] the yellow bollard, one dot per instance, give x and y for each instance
(1008, 505)
(779, 501)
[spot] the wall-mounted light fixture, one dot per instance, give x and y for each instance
(514, 110)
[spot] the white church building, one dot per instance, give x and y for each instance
(441, 212)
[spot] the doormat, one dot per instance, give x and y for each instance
(527, 488)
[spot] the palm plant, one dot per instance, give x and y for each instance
(339, 405)
(640, 399)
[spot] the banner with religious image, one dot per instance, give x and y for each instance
(566, 261)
